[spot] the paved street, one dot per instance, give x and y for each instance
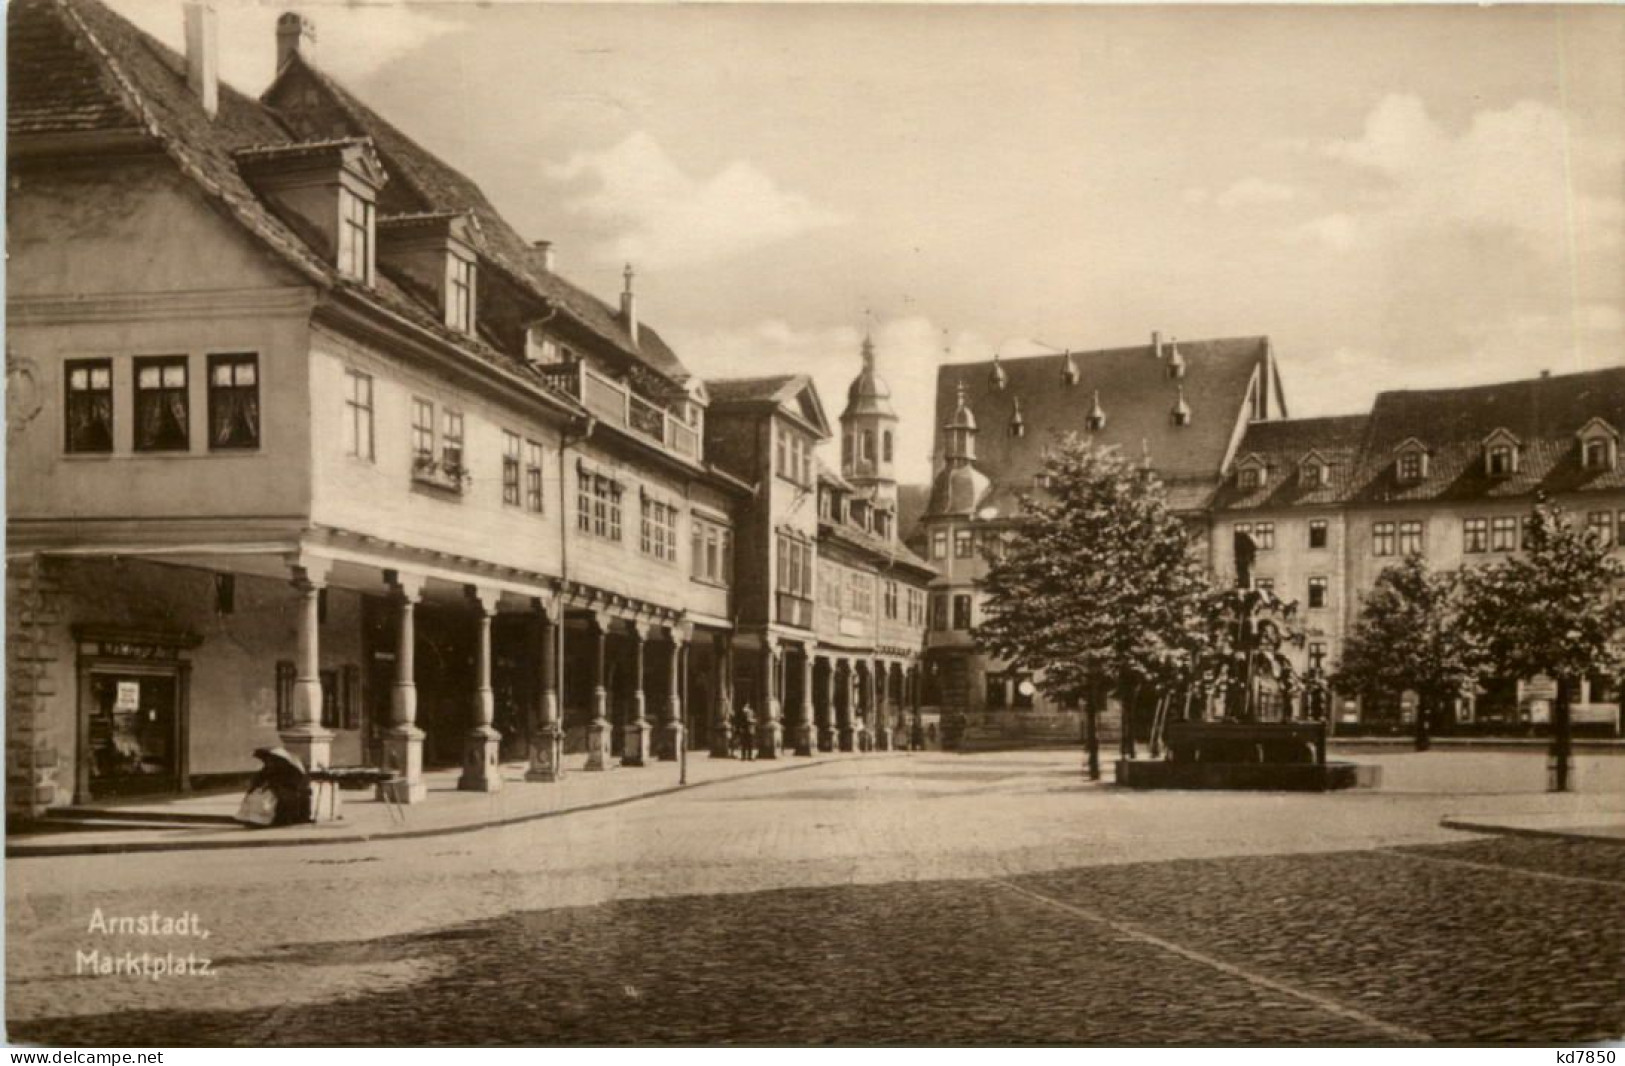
(898, 899)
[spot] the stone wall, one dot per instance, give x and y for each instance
(35, 760)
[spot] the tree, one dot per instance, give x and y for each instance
(1554, 610)
(1096, 585)
(1410, 636)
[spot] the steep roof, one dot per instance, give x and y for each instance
(119, 70)
(1283, 446)
(775, 388)
(1137, 395)
(437, 186)
(1544, 413)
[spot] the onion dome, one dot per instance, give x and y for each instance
(1069, 370)
(997, 377)
(1176, 362)
(1097, 414)
(958, 490)
(868, 394)
(1018, 425)
(1182, 410)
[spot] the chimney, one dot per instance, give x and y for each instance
(629, 308)
(546, 250)
(295, 36)
(203, 54)
(1156, 343)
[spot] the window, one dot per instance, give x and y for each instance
(710, 560)
(598, 505)
(657, 529)
(1317, 592)
(1595, 456)
(358, 406)
(533, 476)
(939, 544)
(859, 594)
(962, 611)
(781, 465)
(1317, 657)
(512, 449)
(355, 236)
(234, 401)
(807, 466)
(916, 607)
(89, 405)
(1527, 526)
(162, 411)
(1314, 475)
(460, 295)
(451, 443)
(868, 439)
(1317, 532)
(885, 446)
(1504, 533)
(939, 612)
(1410, 466)
(1600, 526)
(1264, 535)
(964, 544)
(1410, 537)
(423, 432)
(1475, 535)
(1500, 460)
(1264, 584)
(1248, 478)
(1382, 538)
(890, 600)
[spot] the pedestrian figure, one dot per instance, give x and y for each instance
(745, 729)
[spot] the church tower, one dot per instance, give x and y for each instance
(869, 435)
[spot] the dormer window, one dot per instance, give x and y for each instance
(355, 255)
(1599, 445)
(460, 294)
(1411, 461)
(1501, 454)
(1314, 472)
(1251, 478)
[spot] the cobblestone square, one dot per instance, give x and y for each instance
(925, 899)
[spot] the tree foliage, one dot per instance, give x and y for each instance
(1555, 609)
(1097, 589)
(1410, 636)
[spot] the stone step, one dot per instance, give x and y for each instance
(113, 817)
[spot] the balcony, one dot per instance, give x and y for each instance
(793, 611)
(614, 403)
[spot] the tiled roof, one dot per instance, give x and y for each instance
(883, 551)
(1544, 413)
(437, 186)
(1282, 446)
(1135, 392)
(772, 389)
(148, 80)
(54, 83)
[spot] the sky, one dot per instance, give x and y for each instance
(1399, 197)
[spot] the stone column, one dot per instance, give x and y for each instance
(308, 738)
(547, 746)
(772, 731)
(671, 745)
(483, 746)
(722, 721)
(638, 733)
(598, 733)
(807, 730)
(824, 704)
(881, 683)
(403, 744)
(843, 686)
(866, 706)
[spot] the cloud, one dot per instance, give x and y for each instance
(663, 217)
(1505, 170)
(908, 351)
(1255, 192)
(1339, 232)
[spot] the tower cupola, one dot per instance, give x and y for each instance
(869, 430)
